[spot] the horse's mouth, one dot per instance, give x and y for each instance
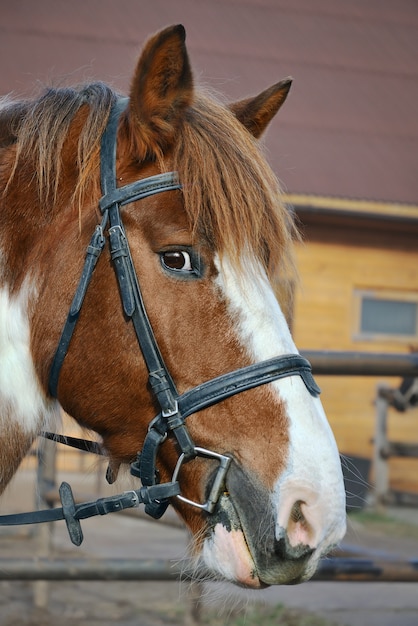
(225, 550)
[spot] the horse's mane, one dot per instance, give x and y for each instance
(39, 129)
(231, 196)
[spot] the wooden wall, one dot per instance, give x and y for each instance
(334, 261)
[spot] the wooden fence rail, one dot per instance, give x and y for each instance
(332, 363)
(331, 569)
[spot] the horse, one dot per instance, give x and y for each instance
(200, 250)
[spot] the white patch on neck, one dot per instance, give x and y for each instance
(21, 397)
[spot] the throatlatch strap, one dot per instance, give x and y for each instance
(93, 252)
(85, 445)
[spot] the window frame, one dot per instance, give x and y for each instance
(382, 294)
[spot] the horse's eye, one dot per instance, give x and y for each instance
(177, 260)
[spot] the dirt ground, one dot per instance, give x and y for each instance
(81, 603)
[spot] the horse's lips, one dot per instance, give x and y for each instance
(233, 558)
(226, 550)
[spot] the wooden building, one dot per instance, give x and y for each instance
(359, 291)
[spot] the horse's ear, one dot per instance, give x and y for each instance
(256, 113)
(161, 89)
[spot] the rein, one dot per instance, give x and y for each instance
(174, 407)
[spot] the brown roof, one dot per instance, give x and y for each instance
(350, 126)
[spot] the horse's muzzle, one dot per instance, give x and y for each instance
(248, 546)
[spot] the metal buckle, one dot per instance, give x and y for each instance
(135, 498)
(166, 413)
(224, 463)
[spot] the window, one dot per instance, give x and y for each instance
(384, 315)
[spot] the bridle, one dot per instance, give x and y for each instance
(174, 407)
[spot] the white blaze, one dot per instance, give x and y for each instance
(313, 472)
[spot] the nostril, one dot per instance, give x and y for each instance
(299, 531)
(296, 514)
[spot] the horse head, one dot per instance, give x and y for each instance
(213, 259)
